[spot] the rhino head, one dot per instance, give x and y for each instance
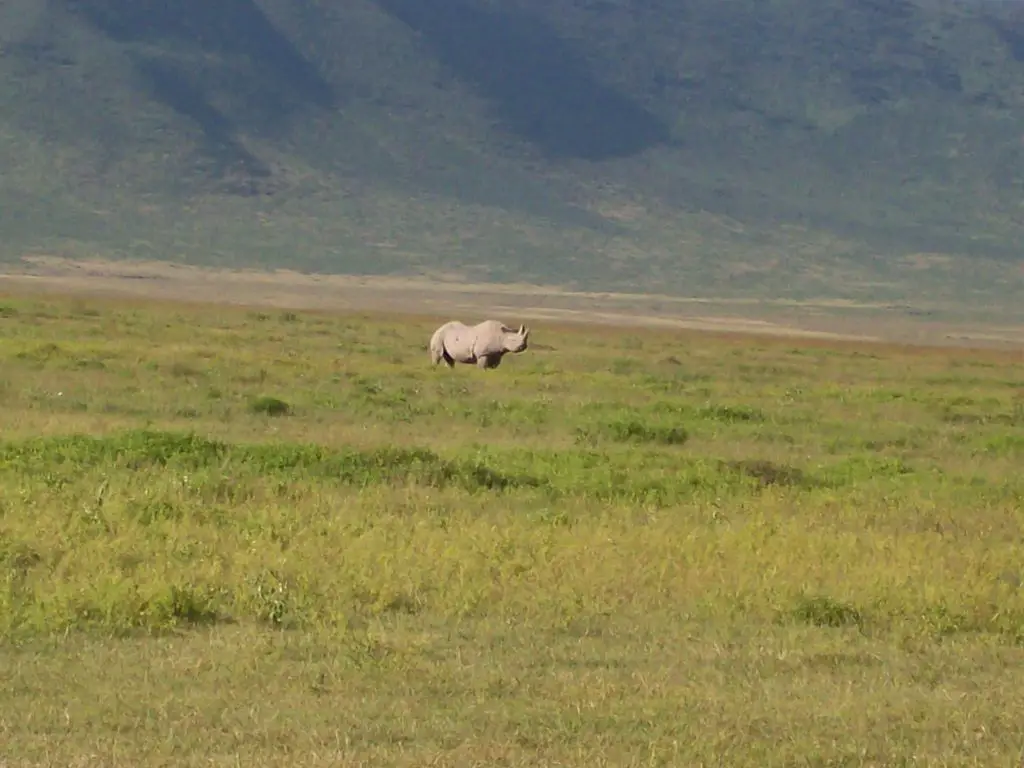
(517, 341)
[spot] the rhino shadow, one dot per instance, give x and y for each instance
(539, 86)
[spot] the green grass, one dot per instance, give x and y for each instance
(229, 536)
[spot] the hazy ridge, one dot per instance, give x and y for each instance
(862, 150)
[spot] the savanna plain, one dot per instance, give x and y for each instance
(232, 536)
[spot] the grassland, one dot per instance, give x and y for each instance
(233, 536)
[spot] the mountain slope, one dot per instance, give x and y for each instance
(858, 149)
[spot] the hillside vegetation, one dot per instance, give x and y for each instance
(288, 539)
(861, 149)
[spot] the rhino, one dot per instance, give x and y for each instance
(483, 344)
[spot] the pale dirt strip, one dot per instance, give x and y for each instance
(284, 289)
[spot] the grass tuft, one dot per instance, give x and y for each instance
(823, 611)
(634, 431)
(270, 406)
(769, 473)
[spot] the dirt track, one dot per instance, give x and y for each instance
(292, 290)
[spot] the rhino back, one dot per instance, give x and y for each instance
(490, 338)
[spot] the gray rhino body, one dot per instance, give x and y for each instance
(483, 344)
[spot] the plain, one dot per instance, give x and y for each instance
(234, 536)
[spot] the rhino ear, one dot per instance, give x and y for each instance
(525, 331)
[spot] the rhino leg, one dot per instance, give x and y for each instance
(438, 357)
(439, 353)
(436, 348)
(488, 362)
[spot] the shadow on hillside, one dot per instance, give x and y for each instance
(274, 78)
(176, 89)
(1012, 33)
(540, 87)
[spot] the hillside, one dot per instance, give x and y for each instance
(860, 149)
